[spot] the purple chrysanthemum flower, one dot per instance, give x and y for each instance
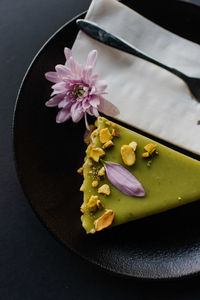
(77, 90)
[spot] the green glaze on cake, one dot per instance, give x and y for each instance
(171, 180)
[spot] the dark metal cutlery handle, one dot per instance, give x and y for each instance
(109, 39)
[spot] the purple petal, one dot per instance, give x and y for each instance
(59, 87)
(68, 53)
(85, 104)
(54, 101)
(94, 112)
(71, 64)
(108, 108)
(76, 112)
(62, 71)
(91, 59)
(100, 86)
(63, 115)
(95, 101)
(87, 72)
(123, 180)
(62, 103)
(52, 76)
(94, 78)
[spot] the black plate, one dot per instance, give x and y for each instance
(47, 155)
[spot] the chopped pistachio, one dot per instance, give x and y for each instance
(114, 125)
(80, 171)
(82, 187)
(102, 172)
(104, 189)
(104, 135)
(115, 133)
(92, 204)
(133, 144)
(108, 145)
(100, 205)
(149, 163)
(150, 148)
(179, 198)
(95, 183)
(105, 220)
(96, 153)
(107, 122)
(145, 154)
(128, 155)
(90, 164)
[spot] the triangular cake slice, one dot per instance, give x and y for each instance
(169, 178)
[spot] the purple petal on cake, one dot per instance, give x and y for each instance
(123, 180)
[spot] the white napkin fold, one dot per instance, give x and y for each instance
(147, 96)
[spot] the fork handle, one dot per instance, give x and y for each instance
(111, 40)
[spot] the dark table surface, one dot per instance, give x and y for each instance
(33, 265)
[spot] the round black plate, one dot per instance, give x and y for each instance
(48, 154)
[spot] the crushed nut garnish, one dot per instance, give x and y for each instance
(115, 133)
(128, 155)
(107, 122)
(102, 172)
(95, 183)
(179, 198)
(108, 145)
(100, 205)
(149, 163)
(105, 220)
(92, 204)
(82, 210)
(90, 164)
(96, 153)
(80, 171)
(150, 148)
(104, 189)
(133, 144)
(104, 135)
(145, 154)
(150, 151)
(114, 125)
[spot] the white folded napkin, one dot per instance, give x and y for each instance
(147, 96)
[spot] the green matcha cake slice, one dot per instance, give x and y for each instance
(164, 178)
